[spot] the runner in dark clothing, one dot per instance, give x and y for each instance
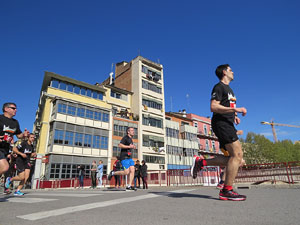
(8, 128)
(24, 152)
(223, 106)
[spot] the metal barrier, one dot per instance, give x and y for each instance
(294, 170)
(259, 173)
(209, 176)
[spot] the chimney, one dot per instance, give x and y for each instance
(184, 113)
(111, 78)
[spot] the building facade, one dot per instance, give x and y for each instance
(144, 78)
(73, 126)
(181, 141)
(208, 142)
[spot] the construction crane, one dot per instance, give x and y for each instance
(277, 124)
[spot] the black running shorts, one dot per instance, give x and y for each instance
(225, 131)
(20, 164)
(2, 155)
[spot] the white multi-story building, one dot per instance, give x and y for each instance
(144, 79)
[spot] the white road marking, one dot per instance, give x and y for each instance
(29, 200)
(72, 209)
(79, 195)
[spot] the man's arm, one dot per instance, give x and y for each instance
(216, 107)
(126, 146)
(16, 150)
(24, 134)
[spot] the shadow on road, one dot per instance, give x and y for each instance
(183, 195)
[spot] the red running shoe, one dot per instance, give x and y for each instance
(196, 166)
(231, 195)
(220, 186)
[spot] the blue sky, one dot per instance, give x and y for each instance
(81, 39)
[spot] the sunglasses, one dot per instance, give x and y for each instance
(12, 108)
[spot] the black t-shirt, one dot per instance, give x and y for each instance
(223, 93)
(8, 127)
(26, 148)
(126, 152)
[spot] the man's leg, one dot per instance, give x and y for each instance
(3, 166)
(200, 162)
(26, 175)
(131, 174)
(236, 156)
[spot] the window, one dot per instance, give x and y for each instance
(62, 108)
(62, 86)
(77, 90)
(96, 141)
(205, 129)
(94, 94)
(104, 142)
(206, 145)
(154, 159)
(54, 171)
(89, 114)
(58, 137)
(100, 96)
(66, 171)
(151, 87)
(213, 145)
(150, 121)
(83, 91)
(69, 138)
(170, 132)
(89, 93)
(116, 151)
(105, 117)
(55, 83)
(78, 139)
(70, 87)
(71, 110)
(80, 112)
(195, 124)
(97, 116)
(153, 141)
(152, 104)
(87, 140)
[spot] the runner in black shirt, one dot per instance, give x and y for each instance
(24, 151)
(8, 128)
(223, 106)
(126, 146)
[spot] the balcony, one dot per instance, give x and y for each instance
(123, 113)
(210, 135)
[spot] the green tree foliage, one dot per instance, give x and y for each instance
(258, 149)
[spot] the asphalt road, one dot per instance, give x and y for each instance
(266, 205)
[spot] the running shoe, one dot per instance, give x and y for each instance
(131, 188)
(7, 183)
(220, 186)
(110, 175)
(231, 195)
(196, 166)
(7, 191)
(18, 193)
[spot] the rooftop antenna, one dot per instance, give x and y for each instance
(188, 102)
(112, 67)
(139, 52)
(171, 103)
(158, 61)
